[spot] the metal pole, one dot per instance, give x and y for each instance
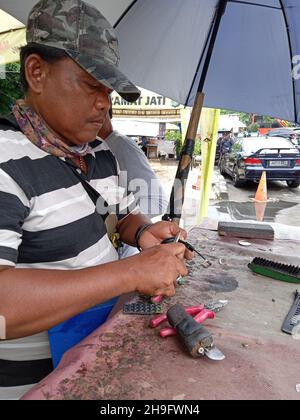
(177, 195)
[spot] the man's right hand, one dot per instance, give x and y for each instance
(155, 270)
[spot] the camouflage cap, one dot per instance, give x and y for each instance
(86, 36)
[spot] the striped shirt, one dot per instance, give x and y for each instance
(48, 221)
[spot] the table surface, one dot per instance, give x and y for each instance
(125, 359)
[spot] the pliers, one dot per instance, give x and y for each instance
(199, 312)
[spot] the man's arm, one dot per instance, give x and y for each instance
(34, 300)
(153, 235)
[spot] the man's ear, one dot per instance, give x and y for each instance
(36, 70)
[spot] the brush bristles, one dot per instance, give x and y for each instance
(288, 269)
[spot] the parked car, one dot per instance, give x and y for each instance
(291, 133)
(250, 156)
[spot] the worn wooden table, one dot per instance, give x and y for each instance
(125, 359)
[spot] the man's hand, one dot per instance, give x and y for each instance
(154, 271)
(160, 231)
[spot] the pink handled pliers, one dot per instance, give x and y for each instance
(200, 315)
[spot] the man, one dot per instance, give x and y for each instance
(136, 173)
(136, 176)
(144, 143)
(56, 259)
(226, 143)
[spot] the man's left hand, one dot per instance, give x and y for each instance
(160, 231)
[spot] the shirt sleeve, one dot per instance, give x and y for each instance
(14, 208)
(137, 176)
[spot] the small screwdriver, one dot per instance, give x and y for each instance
(188, 246)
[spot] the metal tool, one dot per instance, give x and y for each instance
(206, 263)
(199, 318)
(196, 338)
(292, 319)
(216, 306)
(142, 308)
(179, 280)
(192, 310)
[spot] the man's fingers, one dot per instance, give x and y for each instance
(169, 291)
(175, 229)
(176, 248)
(189, 255)
(183, 234)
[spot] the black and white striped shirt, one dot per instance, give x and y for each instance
(48, 221)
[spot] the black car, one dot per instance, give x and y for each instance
(250, 156)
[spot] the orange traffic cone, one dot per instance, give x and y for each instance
(260, 209)
(197, 186)
(261, 193)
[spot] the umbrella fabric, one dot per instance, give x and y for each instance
(10, 42)
(111, 9)
(162, 45)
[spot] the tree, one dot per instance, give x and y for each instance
(10, 88)
(243, 116)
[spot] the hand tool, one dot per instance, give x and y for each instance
(196, 338)
(142, 308)
(216, 306)
(293, 317)
(275, 270)
(192, 310)
(206, 263)
(158, 299)
(199, 318)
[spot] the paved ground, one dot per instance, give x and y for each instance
(235, 203)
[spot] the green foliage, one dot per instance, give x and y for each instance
(197, 149)
(177, 138)
(173, 136)
(243, 116)
(10, 88)
(253, 128)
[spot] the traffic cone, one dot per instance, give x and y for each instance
(260, 209)
(197, 186)
(261, 193)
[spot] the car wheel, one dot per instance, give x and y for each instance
(293, 184)
(236, 178)
(221, 167)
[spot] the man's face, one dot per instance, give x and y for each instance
(72, 102)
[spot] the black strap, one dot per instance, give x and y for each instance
(19, 373)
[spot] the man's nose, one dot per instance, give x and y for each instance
(102, 101)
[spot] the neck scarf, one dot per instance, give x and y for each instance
(37, 131)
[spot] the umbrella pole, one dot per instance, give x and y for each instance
(177, 195)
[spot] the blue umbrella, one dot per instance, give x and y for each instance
(243, 54)
(164, 45)
(163, 42)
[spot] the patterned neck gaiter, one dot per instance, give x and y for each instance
(36, 130)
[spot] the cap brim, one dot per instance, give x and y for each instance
(107, 74)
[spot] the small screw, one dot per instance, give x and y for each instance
(201, 351)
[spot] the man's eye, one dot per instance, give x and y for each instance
(92, 86)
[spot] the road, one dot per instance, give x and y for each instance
(284, 205)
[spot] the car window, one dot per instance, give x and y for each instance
(252, 145)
